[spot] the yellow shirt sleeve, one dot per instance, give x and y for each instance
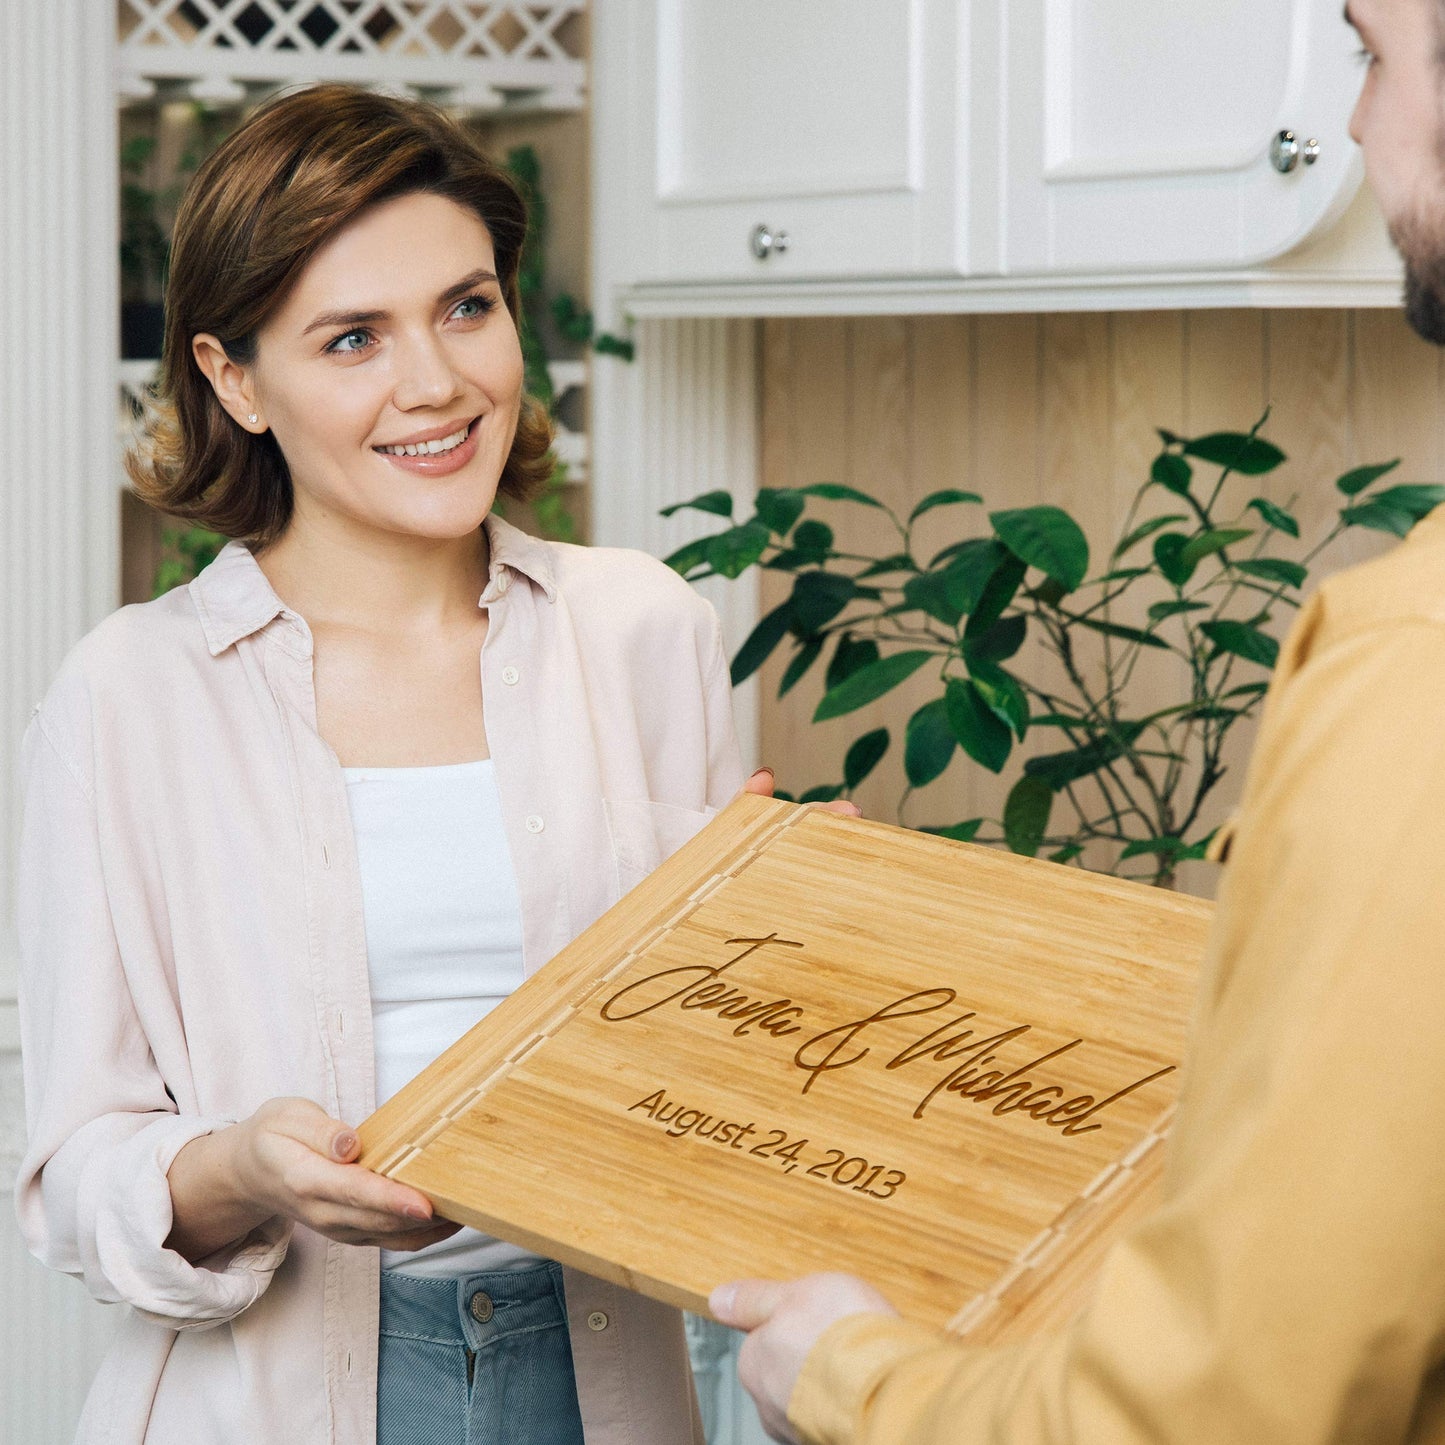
(1290, 1288)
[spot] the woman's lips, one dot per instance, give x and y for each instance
(438, 464)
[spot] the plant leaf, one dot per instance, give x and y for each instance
(691, 554)
(813, 540)
(1123, 633)
(1169, 848)
(929, 746)
(1243, 641)
(850, 655)
(865, 755)
(818, 597)
(1206, 544)
(720, 504)
(1047, 538)
(1251, 456)
(1001, 691)
(945, 498)
(870, 682)
(1172, 472)
(1061, 769)
(837, 492)
(1160, 610)
(1002, 588)
(1168, 550)
(980, 732)
(995, 643)
(898, 562)
(1067, 854)
(1275, 516)
(731, 553)
(1147, 529)
(973, 566)
(828, 793)
(929, 592)
(1379, 519)
(801, 661)
(761, 641)
(1026, 815)
(779, 508)
(1275, 569)
(958, 832)
(1355, 482)
(1417, 499)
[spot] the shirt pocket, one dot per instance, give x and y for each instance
(644, 834)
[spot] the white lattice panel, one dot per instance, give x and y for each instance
(480, 56)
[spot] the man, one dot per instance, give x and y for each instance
(1290, 1287)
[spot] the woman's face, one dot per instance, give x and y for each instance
(395, 335)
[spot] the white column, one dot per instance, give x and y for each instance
(59, 561)
(680, 420)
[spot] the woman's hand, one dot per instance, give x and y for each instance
(291, 1159)
(784, 1321)
(762, 782)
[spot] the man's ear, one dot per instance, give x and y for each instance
(232, 382)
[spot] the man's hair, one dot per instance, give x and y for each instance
(295, 173)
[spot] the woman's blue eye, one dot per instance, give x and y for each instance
(338, 345)
(482, 305)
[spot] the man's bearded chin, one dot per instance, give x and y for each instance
(1423, 247)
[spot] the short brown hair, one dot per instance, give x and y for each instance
(289, 178)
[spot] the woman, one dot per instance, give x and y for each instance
(292, 829)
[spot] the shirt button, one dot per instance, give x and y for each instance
(597, 1320)
(481, 1306)
(534, 823)
(511, 676)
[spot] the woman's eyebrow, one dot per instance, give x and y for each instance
(469, 282)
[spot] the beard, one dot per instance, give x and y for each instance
(1422, 245)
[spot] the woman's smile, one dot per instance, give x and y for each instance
(435, 456)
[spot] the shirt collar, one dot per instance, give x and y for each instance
(234, 599)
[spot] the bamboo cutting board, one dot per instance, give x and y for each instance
(813, 1043)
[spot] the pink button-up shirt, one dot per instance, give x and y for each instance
(192, 944)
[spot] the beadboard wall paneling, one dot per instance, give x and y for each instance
(1063, 409)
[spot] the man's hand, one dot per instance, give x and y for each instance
(761, 783)
(784, 1320)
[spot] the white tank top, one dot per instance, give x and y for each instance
(443, 940)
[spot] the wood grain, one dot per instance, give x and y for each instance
(977, 1052)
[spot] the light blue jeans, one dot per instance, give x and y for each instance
(483, 1359)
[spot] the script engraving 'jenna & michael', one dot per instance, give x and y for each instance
(968, 1051)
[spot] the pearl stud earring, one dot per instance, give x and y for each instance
(252, 417)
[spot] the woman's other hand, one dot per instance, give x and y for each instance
(762, 782)
(291, 1159)
(784, 1320)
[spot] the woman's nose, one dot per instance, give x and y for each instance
(424, 375)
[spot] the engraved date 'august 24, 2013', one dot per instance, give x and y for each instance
(968, 1077)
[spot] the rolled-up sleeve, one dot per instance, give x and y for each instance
(1291, 1285)
(92, 1195)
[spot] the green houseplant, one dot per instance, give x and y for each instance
(1204, 565)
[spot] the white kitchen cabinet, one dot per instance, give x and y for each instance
(1140, 132)
(788, 141)
(765, 157)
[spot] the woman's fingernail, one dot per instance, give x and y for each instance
(758, 772)
(416, 1211)
(720, 1301)
(344, 1144)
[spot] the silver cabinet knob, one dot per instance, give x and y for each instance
(1286, 151)
(764, 241)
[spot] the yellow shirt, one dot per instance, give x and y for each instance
(1290, 1288)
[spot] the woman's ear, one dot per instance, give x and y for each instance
(232, 382)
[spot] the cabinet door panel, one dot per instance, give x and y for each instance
(1141, 131)
(832, 122)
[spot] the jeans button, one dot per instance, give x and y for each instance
(481, 1306)
(597, 1320)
